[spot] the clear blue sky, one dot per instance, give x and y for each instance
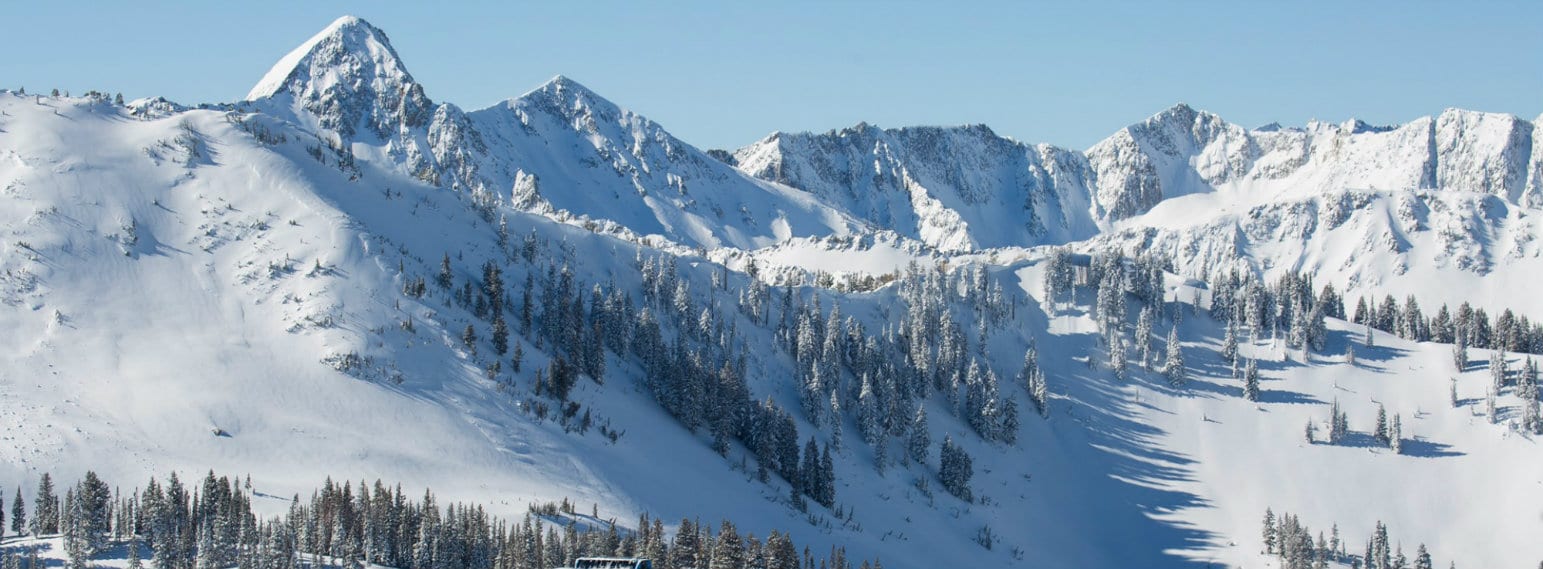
(722, 74)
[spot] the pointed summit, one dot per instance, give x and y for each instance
(560, 88)
(349, 45)
(565, 98)
(346, 75)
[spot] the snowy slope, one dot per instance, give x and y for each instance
(560, 147)
(1479, 247)
(172, 272)
(1054, 195)
(956, 189)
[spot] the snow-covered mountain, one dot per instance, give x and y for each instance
(313, 281)
(1180, 151)
(560, 147)
(955, 189)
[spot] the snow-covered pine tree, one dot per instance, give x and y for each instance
(1173, 366)
(728, 551)
(955, 470)
(1296, 336)
(45, 509)
(1422, 558)
(919, 439)
(1396, 436)
(1381, 432)
(1490, 412)
(1229, 351)
(18, 513)
(1317, 329)
(1052, 280)
(1034, 381)
(1497, 369)
(1528, 391)
(500, 334)
(133, 555)
(1144, 324)
(1460, 353)
(1117, 355)
(1251, 380)
(868, 416)
(836, 421)
(683, 550)
(469, 339)
(76, 547)
(1339, 425)
(1009, 429)
(445, 276)
(825, 490)
(1268, 533)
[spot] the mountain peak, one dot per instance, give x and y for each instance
(565, 97)
(346, 53)
(564, 87)
(348, 77)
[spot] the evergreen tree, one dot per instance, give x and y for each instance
(1296, 336)
(1034, 382)
(133, 555)
(1422, 558)
(1490, 411)
(683, 550)
(469, 339)
(500, 334)
(826, 494)
(728, 550)
(1268, 534)
(1229, 351)
(1117, 355)
(1381, 432)
(919, 439)
(18, 513)
(1497, 369)
(1396, 436)
(93, 502)
(1532, 420)
(1251, 380)
(956, 469)
(1339, 425)
(445, 276)
(76, 546)
(1010, 425)
(868, 417)
(1173, 368)
(45, 509)
(1144, 324)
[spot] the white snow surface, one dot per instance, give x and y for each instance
(164, 274)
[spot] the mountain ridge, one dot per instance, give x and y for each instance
(409, 297)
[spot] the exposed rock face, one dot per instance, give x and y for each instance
(1059, 195)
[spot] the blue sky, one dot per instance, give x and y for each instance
(722, 74)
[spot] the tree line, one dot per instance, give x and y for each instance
(211, 524)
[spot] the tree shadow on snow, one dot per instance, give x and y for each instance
(1283, 396)
(1126, 487)
(1429, 449)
